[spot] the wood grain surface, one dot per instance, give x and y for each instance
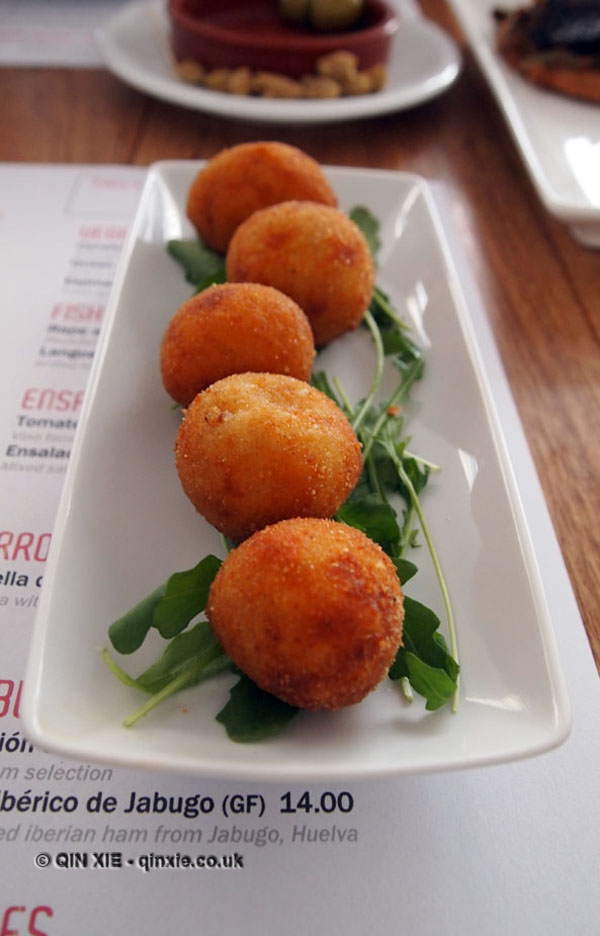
(540, 288)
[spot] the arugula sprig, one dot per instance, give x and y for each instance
(389, 468)
(187, 660)
(169, 608)
(423, 662)
(251, 714)
(424, 659)
(191, 656)
(201, 265)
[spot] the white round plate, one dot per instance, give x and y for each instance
(134, 44)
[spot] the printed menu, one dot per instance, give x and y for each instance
(90, 848)
(61, 33)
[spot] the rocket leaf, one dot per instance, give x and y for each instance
(169, 608)
(201, 265)
(252, 714)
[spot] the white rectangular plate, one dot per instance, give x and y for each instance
(558, 137)
(124, 525)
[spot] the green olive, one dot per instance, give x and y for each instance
(331, 15)
(296, 11)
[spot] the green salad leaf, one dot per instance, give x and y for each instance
(202, 266)
(169, 608)
(375, 518)
(405, 569)
(187, 660)
(186, 594)
(424, 657)
(128, 632)
(252, 714)
(195, 643)
(391, 469)
(369, 225)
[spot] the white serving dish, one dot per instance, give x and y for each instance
(424, 63)
(558, 137)
(124, 525)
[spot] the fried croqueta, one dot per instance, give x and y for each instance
(232, 328)
(244, 178)
(314, 253)
(253, 449)
(311, 610)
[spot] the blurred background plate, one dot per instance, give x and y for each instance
(424, 62)
(558, 137)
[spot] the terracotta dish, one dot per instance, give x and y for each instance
(235, 33)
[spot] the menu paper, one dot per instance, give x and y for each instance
(88, 848)
(58, 33)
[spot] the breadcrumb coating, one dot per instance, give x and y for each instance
(253, 449)
(311, 610)
(233, 328)
(314, 253)
(244, 178)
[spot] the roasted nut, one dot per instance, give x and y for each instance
(377, 75)
(360, 83)
(318, 86)
(218, 79)
(273, 85)
(336, 74)
(240, 81)
(338, 65)
(190, 71)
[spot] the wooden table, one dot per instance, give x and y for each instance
(541, 289)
